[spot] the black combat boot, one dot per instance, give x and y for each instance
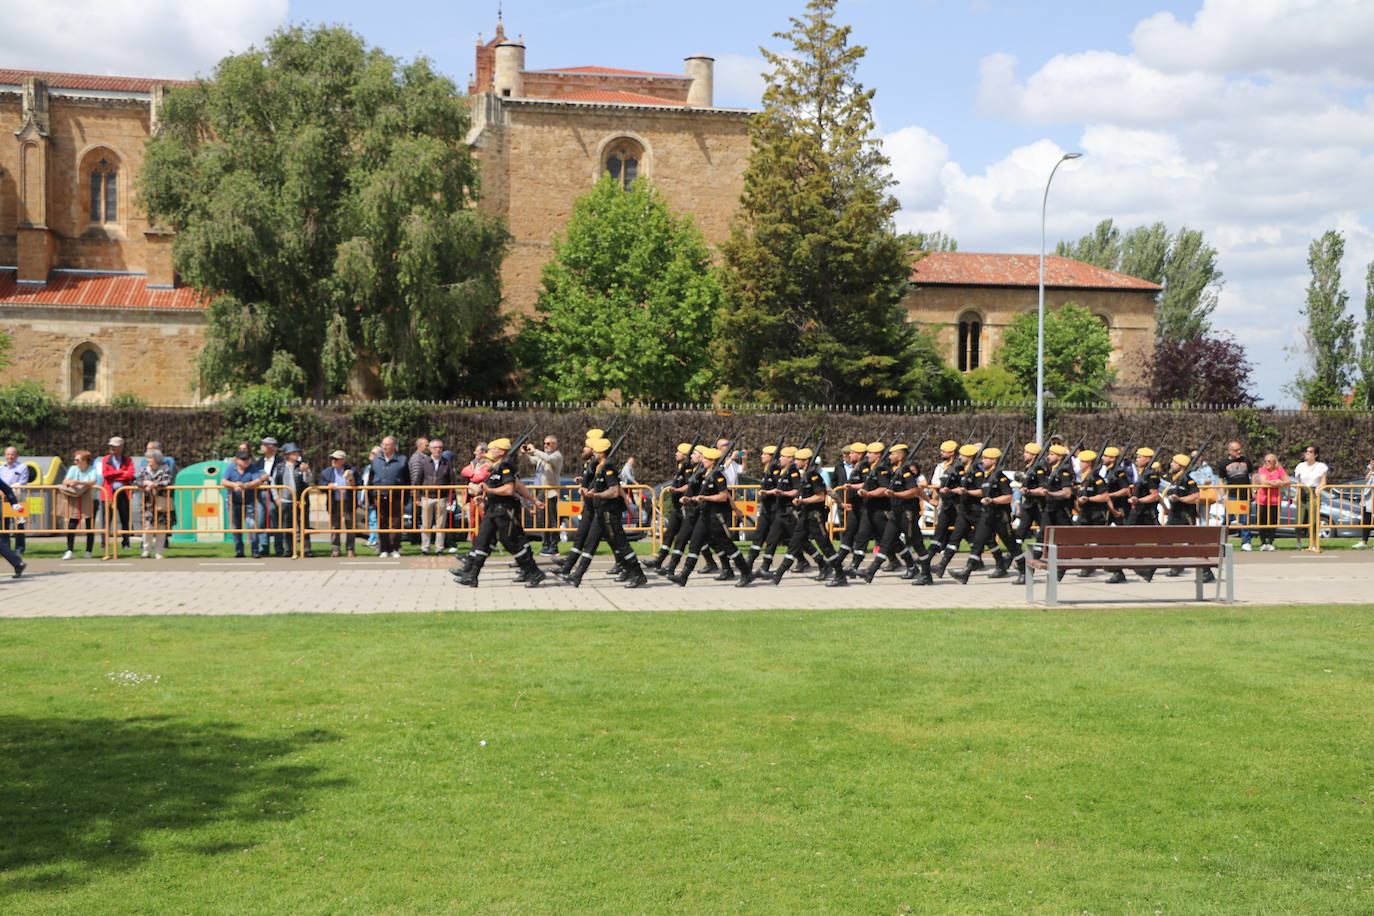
(1148, 574)
(776, 575)
(1020, 572)
(471, 570)
(1003, 570)
(871, 570)
(574, 578)
(923, 576)
(687, 566)
(939, 569)
(1117, 577)
(972, 564)
(710, 565)
(840, 578)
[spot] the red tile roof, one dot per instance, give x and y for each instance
(616, 96)
(960, 268)
(96, 290)
(87, 81)
(612, 71)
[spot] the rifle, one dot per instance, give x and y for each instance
(514, 451)
(616, 447)
(998, 467)
(1192, 462)
(911, 455)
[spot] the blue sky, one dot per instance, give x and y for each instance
(1251, 120)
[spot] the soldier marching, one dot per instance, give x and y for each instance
(977, 497)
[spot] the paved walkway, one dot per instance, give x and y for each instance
(52, 588)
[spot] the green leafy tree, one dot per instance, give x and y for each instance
(1182, 262)
(814, 268)
(628, 303)
(323, 197)
(1330, 334)
(1077, 350)
(994, 384)
(1367, 341)
(931, 241)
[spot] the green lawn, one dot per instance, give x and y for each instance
(1191, 761)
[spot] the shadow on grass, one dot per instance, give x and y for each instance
(82, 796)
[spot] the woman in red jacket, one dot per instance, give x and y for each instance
(117, 472)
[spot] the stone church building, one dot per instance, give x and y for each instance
(92, 304)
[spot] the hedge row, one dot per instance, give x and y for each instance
(195, 434)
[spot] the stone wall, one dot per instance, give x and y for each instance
(1130, 317)
(538, 158)
(144, 352)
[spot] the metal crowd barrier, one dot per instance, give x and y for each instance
(1237, 507)
(457, 512)
(1347, 505)
(215, 511)
(45, 510)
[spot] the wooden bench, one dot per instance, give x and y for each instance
(1113, 547)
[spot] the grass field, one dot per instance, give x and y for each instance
(1153, 761)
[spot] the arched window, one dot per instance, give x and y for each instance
(102, 176)
(90, 367)
(622, 161)
(970, 341)
(86, 373)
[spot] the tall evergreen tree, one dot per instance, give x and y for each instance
(1330, 330)
(1367, 340)
(323, 197)
(627, 304)
(814, 268)
(1101, 247)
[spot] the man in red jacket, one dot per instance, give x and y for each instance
(117, 470)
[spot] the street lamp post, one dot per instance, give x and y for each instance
(1040, 325)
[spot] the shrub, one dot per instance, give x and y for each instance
(24, 408)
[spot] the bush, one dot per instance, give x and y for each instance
(24, 408)
(994, 385)
(128, 401)
(256, 413)
(402, 419)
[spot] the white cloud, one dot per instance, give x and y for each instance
(738, 80)
(1265, 36)
(160, 38)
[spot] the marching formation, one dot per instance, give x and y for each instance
(881, 489)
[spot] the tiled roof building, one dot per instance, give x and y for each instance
(970, 298)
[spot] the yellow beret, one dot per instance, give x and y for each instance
(873, 447)
(1033, 448)
(857, 447)
(1145, 453)
(701, 449)
(710, 452)
(1182, 460)
(503, 444)
(1058, 449)
(600, 445)
(1111, 451)
(1087, 455)
(595, 433)
(684, 447)
(968, 451)
(992, 453)
(949, 445)
(900, 447)
(789, 451)
(769, 449)
(804, 453)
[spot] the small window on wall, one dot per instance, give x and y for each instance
(970, 341)
(622, 162)
(90, 370)
(86, 374)
(102, 174)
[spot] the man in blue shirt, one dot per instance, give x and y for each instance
(242, 479)
(16, 474)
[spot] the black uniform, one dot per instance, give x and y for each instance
(1181, 513)
(1118, 479)
(872, 510)
(1145, 513)
(1094, 483)
(767, 505)
(1058, 511)
(901, 534)
(851, 502)
(501, 522)
(783, 522)
(676, 512)
(605, 513)
(690, 512)
(584, 521)
(810, 529)
(1032, 507)
(711, 529)
(994, 527)
(947, 513)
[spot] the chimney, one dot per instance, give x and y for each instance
(509, 79)
(701, 69)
